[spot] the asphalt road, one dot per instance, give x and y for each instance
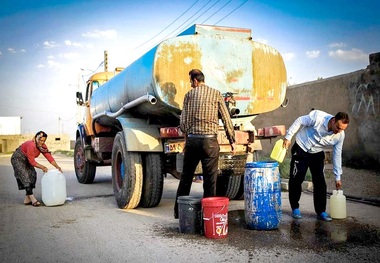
(90, 227)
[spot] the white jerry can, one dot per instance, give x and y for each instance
(338, 205)
(53, 187)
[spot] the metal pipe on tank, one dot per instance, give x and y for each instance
(146, 98)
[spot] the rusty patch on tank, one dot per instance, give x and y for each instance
(269, 74)
(174, 61)
(234, 75)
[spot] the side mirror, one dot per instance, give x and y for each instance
(79, 98)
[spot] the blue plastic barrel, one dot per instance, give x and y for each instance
(262, 195)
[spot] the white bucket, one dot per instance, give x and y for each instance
(53, 187)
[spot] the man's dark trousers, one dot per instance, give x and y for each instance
(205, 150)
(299, 164)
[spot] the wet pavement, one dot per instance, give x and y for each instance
(305, 233)
(346, 239)
(152, 235)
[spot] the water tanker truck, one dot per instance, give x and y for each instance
(132, 114)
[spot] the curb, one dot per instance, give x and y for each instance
(306, 185)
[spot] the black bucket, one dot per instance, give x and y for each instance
(190, 214)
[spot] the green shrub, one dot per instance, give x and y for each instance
(285, 170)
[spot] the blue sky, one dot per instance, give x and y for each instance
(49, 48)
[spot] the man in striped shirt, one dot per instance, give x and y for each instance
(199, 120)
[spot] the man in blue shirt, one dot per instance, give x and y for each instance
(315, 131)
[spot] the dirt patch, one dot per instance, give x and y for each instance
(359, 183)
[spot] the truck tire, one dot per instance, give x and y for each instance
(228, 185)
(84, 170)
(153, 180)
(240, 192)
(251, 157)
(127, 174)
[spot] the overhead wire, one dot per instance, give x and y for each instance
(231, 12)
(217, 11)
(186, 26)
(176, 30)
(166, 26)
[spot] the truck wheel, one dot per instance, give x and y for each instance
(240, 192)
(251, 157)
(228, 186)
(153, 182)
(127, 174)
(84, 170)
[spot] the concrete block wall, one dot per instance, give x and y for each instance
(54, 142)
(357, 93)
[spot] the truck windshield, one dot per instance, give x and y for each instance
(95, 85)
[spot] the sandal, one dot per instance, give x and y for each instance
(29, 203)
(36, 204)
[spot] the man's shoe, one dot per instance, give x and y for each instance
(296, 214)
(324, 217)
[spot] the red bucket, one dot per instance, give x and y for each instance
(215, 216)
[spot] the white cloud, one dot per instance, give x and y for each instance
(353, 54)
(70, 56)
(53, 64)
(261, 40)
(74, 44)
(101, 34)
(50, 57)
(40, 66)
(337, 45)
(313, 53)
(50, 44)
(1, 53)
(288, 56)
(14, 51)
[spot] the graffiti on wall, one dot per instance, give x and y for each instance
(367, 100)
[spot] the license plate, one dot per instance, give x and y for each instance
(174, 147)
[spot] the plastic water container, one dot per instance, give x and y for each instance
(338, 205)
(262, 195)
(278, 153)
(215, 217)
(189, 214)
(53, 187)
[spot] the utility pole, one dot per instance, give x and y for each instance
(105, 61)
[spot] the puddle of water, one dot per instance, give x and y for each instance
(305, 234)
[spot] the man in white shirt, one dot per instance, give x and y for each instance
(315, 131)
